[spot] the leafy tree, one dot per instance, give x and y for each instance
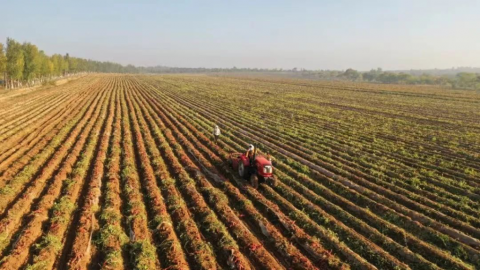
(131, 69)
(467, 80)
(58, 64)
(82, 65)
(27, 63)
(32, 62)
(427, 79)
(444, 80)
(388, 77)
(66, 64)
(404, 78)
(372, 75)
(46, 66)
(15, 61)
(3, 62)
(352, 75)
(73, 65)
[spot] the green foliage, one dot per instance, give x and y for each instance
(41, 265)
(414, 181)
(3, 59)
(58, 64)
(15, 59)
(32, 61)
(372, 75)
(46, 65)
(461, 80)
(26, 63)
(50, 241)
(467, 80)
(352, 75)
(143, 254)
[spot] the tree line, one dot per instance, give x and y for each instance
(464, 80)
(26, 65)
(460, 80)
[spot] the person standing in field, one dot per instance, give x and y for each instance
(216, 133)
(250, 153)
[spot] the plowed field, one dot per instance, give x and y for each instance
(121, 172)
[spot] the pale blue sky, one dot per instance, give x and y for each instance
(267, 34)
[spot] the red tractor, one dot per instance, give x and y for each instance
(257, 170)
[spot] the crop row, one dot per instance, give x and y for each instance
(121, 172)
(196, 116)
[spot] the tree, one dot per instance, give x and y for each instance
(58, 65)
(46, 66)
(3, 63)
(444, 80)
(131, 69)
(466, 80)
(388, 77)
(372, 75)
(404, 78)
(427, 79)
(73, 64)
(32, 62)
(15, 61)
(66, 64)
(82, 65)
(26, 62)
(352, 74)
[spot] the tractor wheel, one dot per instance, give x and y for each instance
(241, 169)
(254, 181)
(273, 181)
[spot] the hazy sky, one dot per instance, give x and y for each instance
(318, 34)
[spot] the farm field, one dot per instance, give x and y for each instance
(121, 172)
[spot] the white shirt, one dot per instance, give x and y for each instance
(216, 131)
